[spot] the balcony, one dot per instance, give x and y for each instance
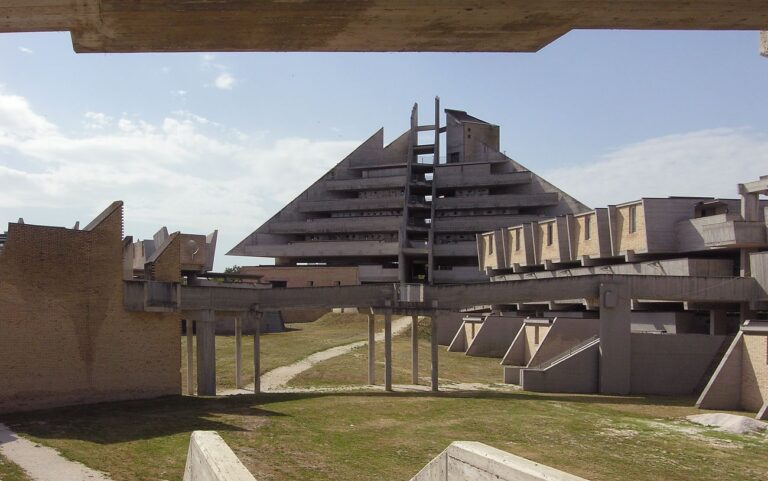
(498, 201)
(491, 180)
(719, 231)
(337, 225)
(368, 183)
(354, 204)
(324, 249)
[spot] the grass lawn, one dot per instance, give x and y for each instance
(369, 436)
(279, 349)
(352, 368)
(11, 472)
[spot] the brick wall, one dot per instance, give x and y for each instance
(64, 336)
(630, 241)
(754, 372)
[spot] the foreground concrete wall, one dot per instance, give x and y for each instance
(495, 336)
(576, 373)
(671, 364)
(64, 336)
(210, 459)
(465, 460)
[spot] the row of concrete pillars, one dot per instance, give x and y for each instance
(203, 330)
(388, 351)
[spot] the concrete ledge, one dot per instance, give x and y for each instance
(477, 461)
(210, 459)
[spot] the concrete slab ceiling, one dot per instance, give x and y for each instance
(364, 25)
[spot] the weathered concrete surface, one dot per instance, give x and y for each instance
(574, 373)
(495, 336)
(210, 459)
(42, 463)
(472, 460)
(376, 25)
(723, 391)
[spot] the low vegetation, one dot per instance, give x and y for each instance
(11, 472)
(370, 435)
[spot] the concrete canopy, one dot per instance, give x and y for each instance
(372, 25)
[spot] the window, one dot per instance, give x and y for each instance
(549, 234)
(517, 240)
(337, 283)
(587, 227)
(310, 283)
(453, 158)
(632, 219)
(490, 245)
(536, 335)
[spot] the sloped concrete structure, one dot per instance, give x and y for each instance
(402, 213)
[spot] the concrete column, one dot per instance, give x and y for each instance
(415, 349)
(388, 349)
(238, 352)
(615, 338)
(764, 44)
(371, 349)
(206, 355)
(256, 317)
(718, 322)
(750, 204)
(190, 360)
(434, 346)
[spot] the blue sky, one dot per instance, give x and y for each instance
(201, 141)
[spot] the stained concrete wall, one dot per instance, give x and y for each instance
(465, 460)
(495, 335)
(448, 323)
(671, 364)
(64, 336)
(210, 459)
(723, 391)
(577, 373)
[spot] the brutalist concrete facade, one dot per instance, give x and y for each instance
(403, 212)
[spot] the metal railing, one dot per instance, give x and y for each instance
(409, 292)
(565, 354)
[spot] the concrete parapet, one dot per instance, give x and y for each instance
(210, 459)
(473, 460)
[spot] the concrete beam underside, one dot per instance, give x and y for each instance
(379, 25)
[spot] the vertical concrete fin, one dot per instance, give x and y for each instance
(210, 459)
(723, 391)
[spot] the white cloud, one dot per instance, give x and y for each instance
(179, 93)
(26, 50)
(701, 163)
(186, 172)
(224, 81)
(96, 120)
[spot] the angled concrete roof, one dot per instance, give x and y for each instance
(373, 25)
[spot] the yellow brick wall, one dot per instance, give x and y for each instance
(489, 250)
(64, 336)
(636, 241)
(167, 265)
(581, 246)
(754, 372)
(530, 339)
(515, 256)
(547, 252)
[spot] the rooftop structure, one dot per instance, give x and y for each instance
(335, 25)
(403, 213)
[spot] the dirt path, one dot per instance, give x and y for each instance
(278, 378)
(42, 463)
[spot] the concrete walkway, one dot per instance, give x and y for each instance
(277, 379)
(42, 463)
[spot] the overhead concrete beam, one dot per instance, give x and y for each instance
(376, 25)
(764, 44)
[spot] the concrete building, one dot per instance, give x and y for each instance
(403, 213)
(667, 347)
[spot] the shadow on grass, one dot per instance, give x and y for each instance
(116, 422)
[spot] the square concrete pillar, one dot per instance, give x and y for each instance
(206, 354)
(615, 339)
(718, 322)
(255, 318)
(190, 356)
(388, 349)
(238, 352)
(415, 349)
(371, 349)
